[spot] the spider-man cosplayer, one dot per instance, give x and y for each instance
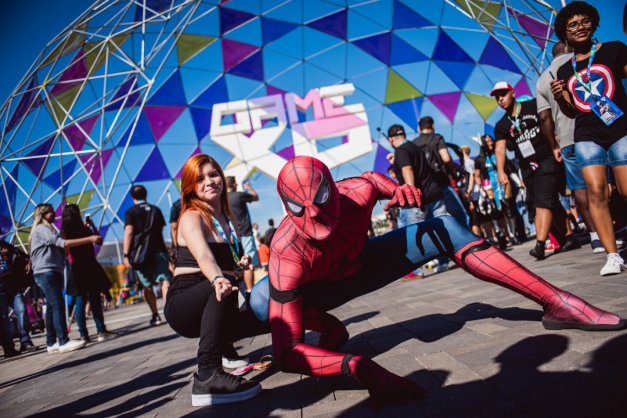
(321, 258)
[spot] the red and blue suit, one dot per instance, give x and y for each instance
(321, 258)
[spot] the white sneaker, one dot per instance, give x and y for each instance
(614, 265)
(71, 346)
(441, 268)
(53, 348)
(235, 363)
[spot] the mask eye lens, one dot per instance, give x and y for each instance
(323, 195)
(294, 208)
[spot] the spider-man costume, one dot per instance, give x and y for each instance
(321, 258)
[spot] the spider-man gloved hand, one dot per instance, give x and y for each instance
(405, 196)
(383, 386)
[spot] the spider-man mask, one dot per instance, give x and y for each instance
(310, 196)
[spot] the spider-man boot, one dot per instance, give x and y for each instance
(562, 309)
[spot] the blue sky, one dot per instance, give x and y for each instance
(27, 26)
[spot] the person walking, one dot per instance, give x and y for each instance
(143, 227)
(88, 277)
(47, 258)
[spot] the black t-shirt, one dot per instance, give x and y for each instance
(606, 75)
(269, 235)
(139, 217)
(434, 143)
(410, 154)
(175, 211)
(237, 202)
(530, 140)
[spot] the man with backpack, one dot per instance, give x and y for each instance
(144, 248)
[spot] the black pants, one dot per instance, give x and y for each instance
(193, 311)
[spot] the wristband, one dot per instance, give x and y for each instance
(126, 256)
(216, 278)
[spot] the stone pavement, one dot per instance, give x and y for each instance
(478, 348)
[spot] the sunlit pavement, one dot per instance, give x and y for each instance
(479, 349)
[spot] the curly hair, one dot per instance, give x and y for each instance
(576, 8)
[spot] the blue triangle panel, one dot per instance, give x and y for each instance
(407, 18)
(408, 111)
(334, 24)
(378, 46)
(154, 168)
(489, 130)
(127, 203)
(251, 67)
(447, 50)
(11, 191)
(202, 121)
(495, 55)
(272, 29)
(231, 19)
(403, 53)
(215, 93)
(459, 72)
(156, 5)
(142, 135)
(170, 93)
(54, 179)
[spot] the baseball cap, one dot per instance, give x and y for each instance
(396, 130)
(501, 85)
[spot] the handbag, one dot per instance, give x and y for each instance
(139, 251)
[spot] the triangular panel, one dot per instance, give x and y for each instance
(189, 45)
(334, 24)
(399, 89)
(447, 103)
(154, 168)
(161, 118)
(495, 55)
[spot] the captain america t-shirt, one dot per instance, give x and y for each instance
(606, 75)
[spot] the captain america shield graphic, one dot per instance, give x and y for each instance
(601, 83)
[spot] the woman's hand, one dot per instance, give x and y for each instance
(96, 239)
(246, 263)
(557, 87)
(223, 288)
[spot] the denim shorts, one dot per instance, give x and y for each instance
(574, 178)
(590, 153)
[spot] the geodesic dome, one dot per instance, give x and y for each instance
(133, 88)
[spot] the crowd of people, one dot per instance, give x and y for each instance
(323, 253)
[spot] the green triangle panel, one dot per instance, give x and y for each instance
(485, 105)
(399, 89)
(190, 45)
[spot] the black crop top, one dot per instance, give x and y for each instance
(220, 250)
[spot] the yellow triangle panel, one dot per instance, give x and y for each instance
(95, 54)
(190, 45)
(234, 162)
(84, 199)
(399, 89)
(177, 183)
(60, 105)
(484, 105)
(486, 13)
(72, 43)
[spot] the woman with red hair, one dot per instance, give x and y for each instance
(203, 298)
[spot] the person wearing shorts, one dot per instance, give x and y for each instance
(519, 131)
(141, 217)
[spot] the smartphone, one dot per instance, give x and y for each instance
(88, 218)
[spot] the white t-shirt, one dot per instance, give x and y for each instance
(469, 166)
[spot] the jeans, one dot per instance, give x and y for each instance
(51, 283)
(23, 322)
(590, 153)
(96, 310)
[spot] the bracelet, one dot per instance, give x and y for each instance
(126, 256)
(216, 278)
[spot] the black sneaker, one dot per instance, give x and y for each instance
(222, 387)
(11, 353)
(538, 251)
(155, 321)
(28, 346)
(571, 244)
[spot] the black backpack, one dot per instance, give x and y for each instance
(13, 263)
(427, 145)
(138, 256)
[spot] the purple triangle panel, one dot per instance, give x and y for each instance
(447, 103)
(408, 111)
(161, 118)
(170, 93)
(381, 163)
(95, 163)
(273, 29)
(538, 30)
(522, 88)
(180, 173)
(11, 191)
(5, 222)
(231, 19)
(495, 55)
(154, 168)
(122, 94)
(77, 71)
(334, 24)
(201, 118)
(407, 18)
(29, 101)
(251, 67)
(234, 52)
(76, 137)
(37, 164)
(271, 90)
(447, 50)
(378, 46)
(287, 152)
(156, 5)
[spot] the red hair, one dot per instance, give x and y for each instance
(189, 180)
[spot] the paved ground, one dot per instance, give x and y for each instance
(478, 348)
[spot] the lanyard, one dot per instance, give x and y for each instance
(585, 79)
(235, 250)
(516, 122)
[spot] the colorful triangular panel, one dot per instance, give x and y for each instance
(215, 93)
(37, 164)
(399, 89)
(202, 121)
(378, 46)
(154, 168)
(407, 18)
(403, 53)
(161, 118)
(522, 89)
(234, 52)
(495, 55)
(408, 111)
(447, 50)
(231, 19)
(381, 162)
(484, 105)
(170, 93)
(540, 31)
(78, 136)
(73, 75)
(55, 180)
(122, 96)
(7, 201)
(190, 45)
(446, 103)
(272, 29)
(458, 72)
(141, 135)
(334, 24)
(29, 101)
(251, 67)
